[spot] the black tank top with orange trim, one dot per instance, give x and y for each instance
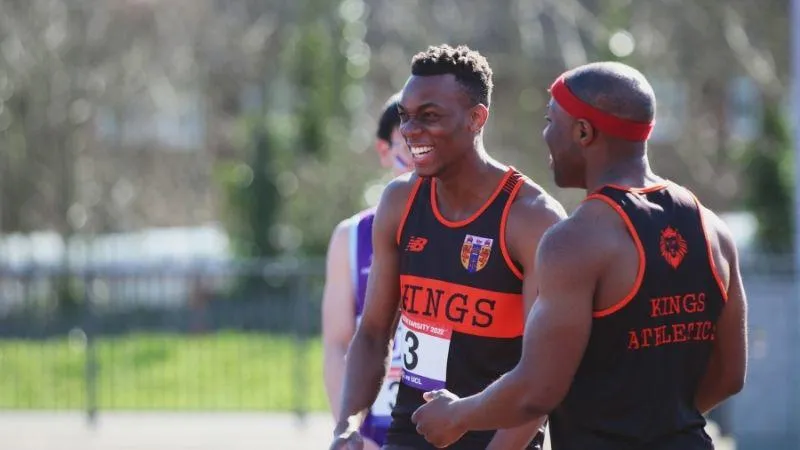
(636, 385)
(462, 309)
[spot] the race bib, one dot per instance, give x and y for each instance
(425, 351)
(387, 396)
(384, 403)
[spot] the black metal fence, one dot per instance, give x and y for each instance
(207, 336)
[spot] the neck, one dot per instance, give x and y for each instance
(468, 179)
(631, 171)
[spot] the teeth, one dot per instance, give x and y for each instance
(419, 151)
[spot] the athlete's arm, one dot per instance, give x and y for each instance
(727, 367)
(338, 313)
(568, 265)
(369, 350)
(529, 218)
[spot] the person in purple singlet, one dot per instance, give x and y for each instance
(346, 283)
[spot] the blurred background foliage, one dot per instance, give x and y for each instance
(123, 115)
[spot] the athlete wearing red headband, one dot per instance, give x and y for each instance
(640, 323)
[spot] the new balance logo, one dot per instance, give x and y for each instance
(416, 244)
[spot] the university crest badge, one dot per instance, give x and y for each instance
(475, 252)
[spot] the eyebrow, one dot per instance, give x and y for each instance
(422, 106)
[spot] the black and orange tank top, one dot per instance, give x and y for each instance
(636, 385)
(462, 312)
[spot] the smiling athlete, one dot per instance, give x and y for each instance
(454, 251)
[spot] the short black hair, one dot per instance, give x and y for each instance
(469, 67)
(390, 119)
(615, 88)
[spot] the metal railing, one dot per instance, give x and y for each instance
(221, 336)
(245, 336)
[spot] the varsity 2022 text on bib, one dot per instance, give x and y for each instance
(425, 351)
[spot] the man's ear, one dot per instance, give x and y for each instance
(584, 132)
(478, 117)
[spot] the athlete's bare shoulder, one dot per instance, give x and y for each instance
(580, 248)
(722, 243)
(340, 238)
(530, 215)
(394, 203)
(596, 226)
(572, 252)
(399, 189)
(345, 227)
(533, 206)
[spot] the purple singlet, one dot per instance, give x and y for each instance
(380, 415)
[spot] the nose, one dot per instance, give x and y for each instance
(410, 128)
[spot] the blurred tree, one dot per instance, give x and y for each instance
(309, 106)
(329, 74)
(47, 61)
(61, 61)
(251, 196)
(769, 180)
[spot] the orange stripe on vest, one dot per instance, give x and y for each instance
(465, 309)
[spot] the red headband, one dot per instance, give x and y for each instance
(603, 121)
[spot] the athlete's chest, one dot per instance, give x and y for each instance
(471, 256)
(457, 279)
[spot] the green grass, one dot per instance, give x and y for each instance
(224, 371)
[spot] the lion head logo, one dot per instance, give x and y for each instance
(673, 246)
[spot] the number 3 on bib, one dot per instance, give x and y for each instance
(425, 351)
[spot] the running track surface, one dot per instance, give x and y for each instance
(171, 431)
